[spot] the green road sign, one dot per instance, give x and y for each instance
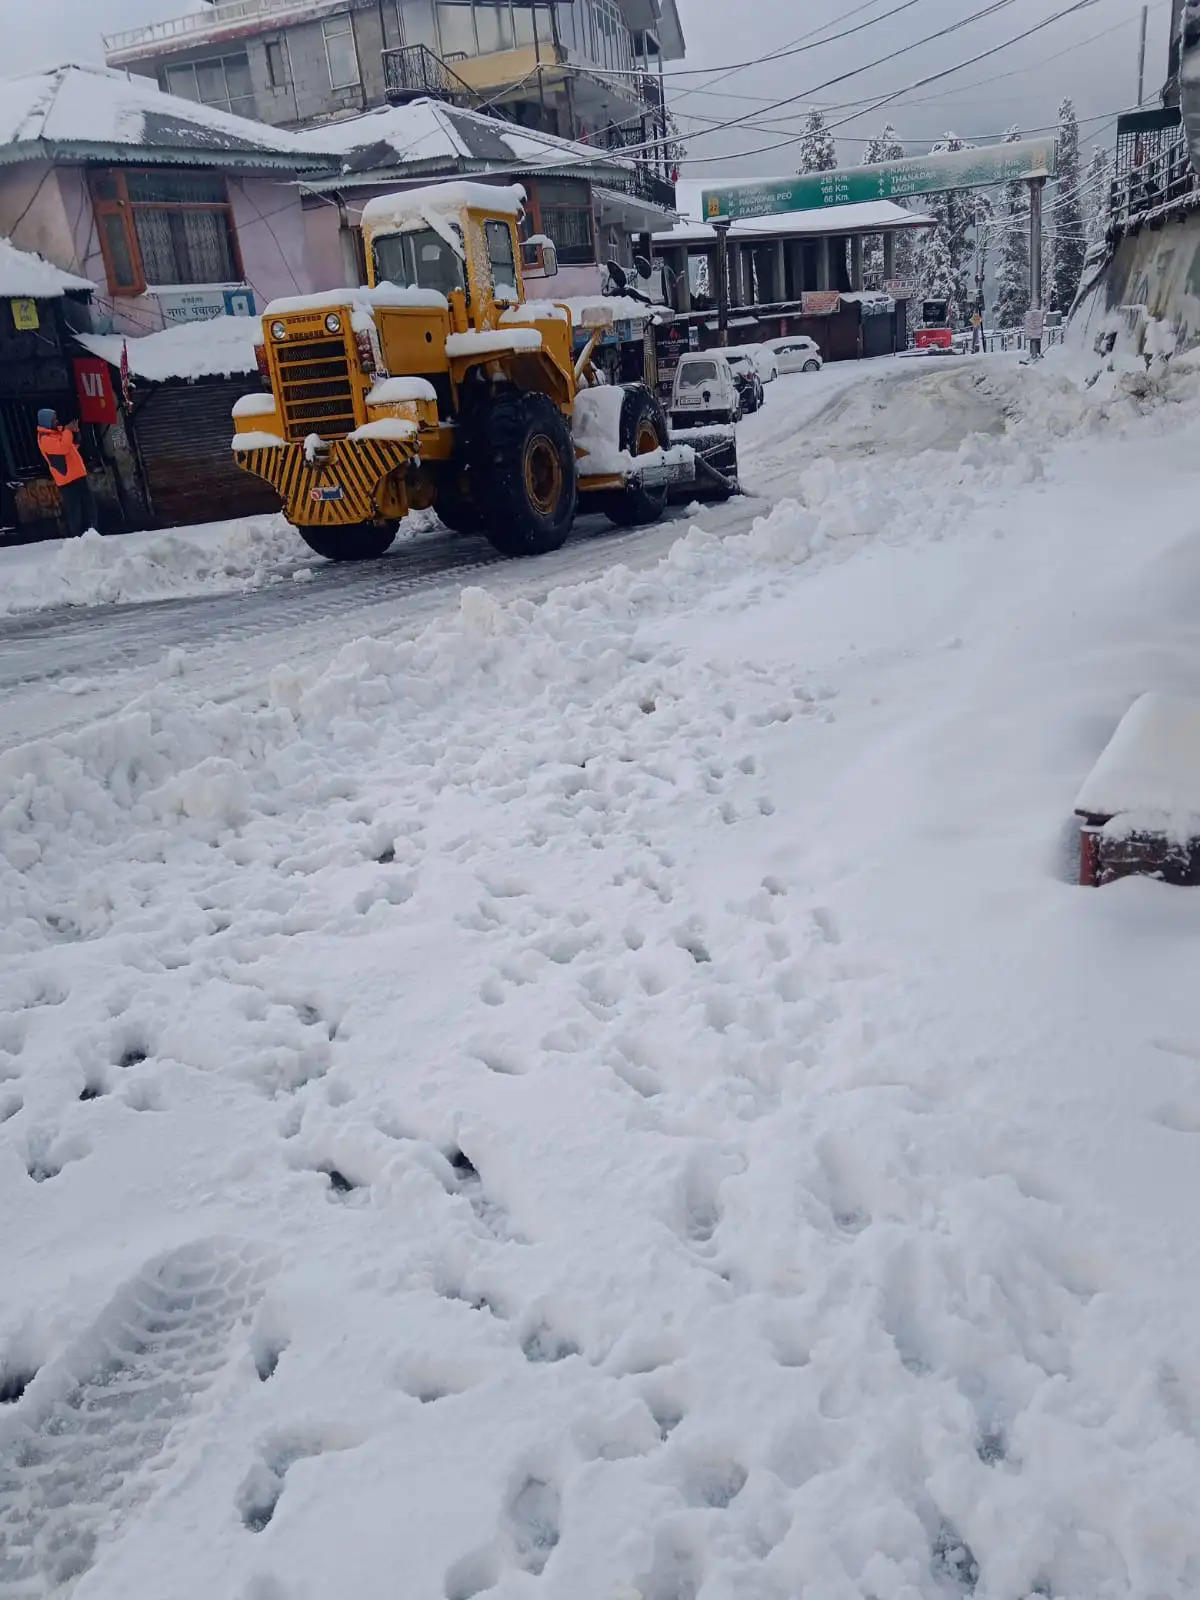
(888, 180)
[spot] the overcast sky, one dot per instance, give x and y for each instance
(1092, 56)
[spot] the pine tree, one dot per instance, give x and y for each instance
(885, 146)
(818, 153)
(1067, 245)
(1012, 274)
(935, 265)
(954, 210)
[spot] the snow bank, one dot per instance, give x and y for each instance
(93, 570)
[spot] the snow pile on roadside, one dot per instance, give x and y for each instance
(94, 570)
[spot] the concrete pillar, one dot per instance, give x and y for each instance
(797, 286)
(889, 255)
(779, 285)
(823, 260)
(856, 261)
(748, 296)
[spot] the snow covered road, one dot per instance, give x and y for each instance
(615, 1095)
(84, 627)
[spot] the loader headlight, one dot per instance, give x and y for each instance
(279, 330)
(333, 322)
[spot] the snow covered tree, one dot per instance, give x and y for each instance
(1097, 195)
(818, 153)
(1012, 273)
(701, 288)
(954, 210)
(885, 146)
(1067, 245)
(935, 266)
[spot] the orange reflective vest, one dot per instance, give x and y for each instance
(62, 454)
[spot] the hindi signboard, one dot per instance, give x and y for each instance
(886, 180)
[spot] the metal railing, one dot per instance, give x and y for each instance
(1161, 181)
(414, 72)
(640, 180)
(199, 24)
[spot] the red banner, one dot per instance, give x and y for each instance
(93, 384)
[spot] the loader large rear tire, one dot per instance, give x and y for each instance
(643, 428)
(356, 541)
(523, 455)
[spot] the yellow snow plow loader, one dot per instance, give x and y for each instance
(438, 384)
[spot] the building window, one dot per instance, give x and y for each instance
(340, 52)
(564, 207)
(224, 82)
(482, 27)
(160, 228)
(277, 64)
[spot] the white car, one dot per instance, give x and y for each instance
(795, 353)
(763, 358)
(704, 391)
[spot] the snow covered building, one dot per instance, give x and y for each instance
(173, 211)
(793, 272)
(580, 68)
(588, 201)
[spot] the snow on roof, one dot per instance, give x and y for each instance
(392, 210)
(24, 275)
(860, 218)
(218, 348)
(830, 219)
(90, 106)
(428, 133)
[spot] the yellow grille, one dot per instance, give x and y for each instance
(316, 391)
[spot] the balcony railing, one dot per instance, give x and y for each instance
(646, 184)
(200, 25)
(414, 72)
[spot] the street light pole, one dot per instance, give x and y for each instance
(1036, 186)
(722, 230)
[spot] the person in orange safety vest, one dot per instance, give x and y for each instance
(59, 444)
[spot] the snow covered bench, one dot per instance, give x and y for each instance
(1140, 804)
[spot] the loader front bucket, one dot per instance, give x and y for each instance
(716, 464)
(342, 482)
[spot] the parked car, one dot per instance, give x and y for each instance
(763, 358)
(795, 353)
(745, 374)
(705, 390)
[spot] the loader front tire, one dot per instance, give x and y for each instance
(355, 541)
(643, 428)
(523, 457)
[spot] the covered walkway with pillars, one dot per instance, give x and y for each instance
(775, 260)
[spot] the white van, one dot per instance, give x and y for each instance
(705, 390)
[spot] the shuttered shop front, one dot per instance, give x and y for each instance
(183, 433)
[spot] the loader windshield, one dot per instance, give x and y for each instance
(421, 259)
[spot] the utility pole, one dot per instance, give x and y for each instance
(1036, 186)
(1142, 60)
(722, 231)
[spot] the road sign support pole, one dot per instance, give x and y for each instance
(722, 232)
(1036, 186)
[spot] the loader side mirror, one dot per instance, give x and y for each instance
(539, 258)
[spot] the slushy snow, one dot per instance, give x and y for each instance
(616, 1096)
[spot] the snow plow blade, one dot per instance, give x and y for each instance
(343, 483)
(716, 464)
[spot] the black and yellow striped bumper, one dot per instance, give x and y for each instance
(343, 488)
